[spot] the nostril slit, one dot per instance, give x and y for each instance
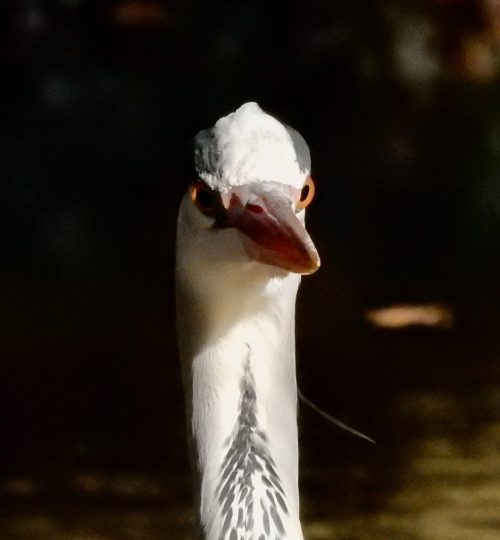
(255, 208)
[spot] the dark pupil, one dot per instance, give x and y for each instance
(205, 199)
(304, 193)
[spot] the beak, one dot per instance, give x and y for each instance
(270, 230)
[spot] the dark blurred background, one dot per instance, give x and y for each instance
(400, 104)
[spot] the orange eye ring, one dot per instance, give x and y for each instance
(203, 197)
(306, 194)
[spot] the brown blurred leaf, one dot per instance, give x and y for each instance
(139, 14)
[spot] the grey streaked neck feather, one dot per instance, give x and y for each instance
(246, 463)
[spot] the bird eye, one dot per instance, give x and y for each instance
(203, 197)
(307, 194)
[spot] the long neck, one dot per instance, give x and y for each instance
(241, 394)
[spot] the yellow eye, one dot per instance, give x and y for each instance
(307, 194)
(203, 197)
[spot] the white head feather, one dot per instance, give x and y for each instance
(249, 145)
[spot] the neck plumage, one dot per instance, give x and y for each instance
(238, 357)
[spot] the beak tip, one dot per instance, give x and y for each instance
(314, 267)
(314, 261)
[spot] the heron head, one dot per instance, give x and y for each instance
(248, 201)
(252, 190)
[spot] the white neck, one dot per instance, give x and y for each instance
(238, 355)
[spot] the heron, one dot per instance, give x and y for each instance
(241, 250)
